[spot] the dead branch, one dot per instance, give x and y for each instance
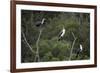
(72, 46)
(37, 45)
(27, 43)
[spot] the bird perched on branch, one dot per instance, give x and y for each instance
(40, 23)
(79, 51)
(61, 34)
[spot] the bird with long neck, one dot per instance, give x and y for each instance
(61, 34)
(40, 23)
(79, 51)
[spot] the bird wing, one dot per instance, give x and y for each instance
(38, 23)
(60, 34)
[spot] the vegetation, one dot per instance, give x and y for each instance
(77, 27)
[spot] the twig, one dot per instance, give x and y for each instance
(27, 43)
(72, 46)
(73, 35)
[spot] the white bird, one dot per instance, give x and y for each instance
(79, 50)
(61, 34)
(40, 23)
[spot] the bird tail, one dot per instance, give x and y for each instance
(77, 55)
(59, 38)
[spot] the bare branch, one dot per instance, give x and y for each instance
(73, 35)
(72, 46)
(37, 45)
(27, 43)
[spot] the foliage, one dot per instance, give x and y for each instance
(50, 49)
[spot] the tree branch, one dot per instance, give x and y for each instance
(27, 43)
(37, 45)
(72, 46)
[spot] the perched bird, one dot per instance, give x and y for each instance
(40, 23)
(61, 34)
(79, 51)
(81, 48)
